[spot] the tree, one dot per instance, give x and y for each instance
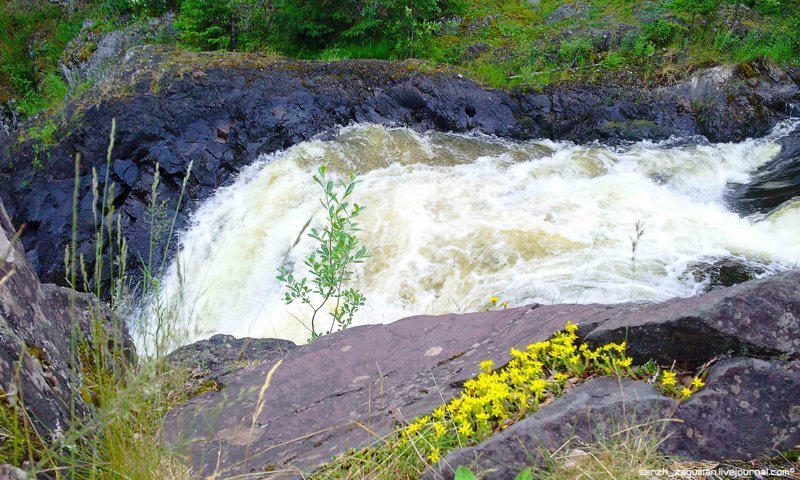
(206, 24)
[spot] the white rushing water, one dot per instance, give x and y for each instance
(452, 220)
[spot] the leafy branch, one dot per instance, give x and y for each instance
(330, 265)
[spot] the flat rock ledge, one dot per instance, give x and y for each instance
(345, 389)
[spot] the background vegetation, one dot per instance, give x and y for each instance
(502, 43)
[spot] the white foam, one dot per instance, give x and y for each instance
(452, 220)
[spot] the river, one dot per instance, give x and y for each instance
(452, 220)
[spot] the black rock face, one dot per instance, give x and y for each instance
(774, 183)
(220, 118)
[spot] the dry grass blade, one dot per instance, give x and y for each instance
(7, 276)
(263, 392)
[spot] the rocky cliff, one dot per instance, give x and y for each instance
(41, 328)
(222, 111)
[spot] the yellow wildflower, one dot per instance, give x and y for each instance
(623, 362)
(493, 299)
(571, 327)
(667, 379)
(516, 354)
(537, 386)
(487, 365)
(505, 304)
(434, 456)
(439, 413)
(685, 393)
(697, 382)
(439, 429)
(466, 429)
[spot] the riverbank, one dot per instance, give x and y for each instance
(221, 111)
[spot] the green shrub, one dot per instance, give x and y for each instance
(695, 7)
(330, 264)
(639, 47)
(768, 7)
(314, 26)
(661, 32)
(32, 41)
(577, 51)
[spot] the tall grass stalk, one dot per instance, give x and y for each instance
(126, 399)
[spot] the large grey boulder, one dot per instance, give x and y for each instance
(345, 389)
(37, 325)
(756, 318)
(748, 409)
(93, 53)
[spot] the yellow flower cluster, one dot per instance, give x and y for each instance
(500, 395)
(669, 385)
(495, 398)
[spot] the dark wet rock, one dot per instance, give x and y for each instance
(757, 318)
(725, 272)
(593, 411)
(748, 409)
(381, 376)
(36, 330)
(222, 111)
(214, 359)
(774, 183)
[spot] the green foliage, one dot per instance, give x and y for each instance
(13, 446)
(767, 7)
(330, 264)
(576, 52)
(661, 32)
(206, 24)
(317, 24)
(32, 40)
(462, 473)
(43, 137)
(695, 7)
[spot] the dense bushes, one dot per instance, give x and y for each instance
(307, 27)
(503, 43)
(32, 38)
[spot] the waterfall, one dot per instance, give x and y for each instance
(452, 220)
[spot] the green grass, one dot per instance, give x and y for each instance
(33, 36)
(127, 400)
(499, 43)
